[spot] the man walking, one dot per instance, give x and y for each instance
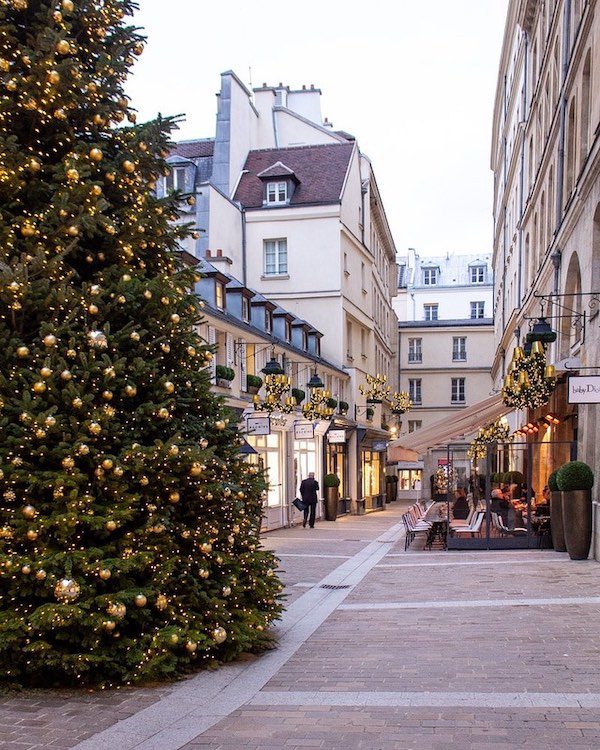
(308, 492)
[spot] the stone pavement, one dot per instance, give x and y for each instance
(378, 650)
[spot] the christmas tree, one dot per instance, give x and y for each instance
(129, 545)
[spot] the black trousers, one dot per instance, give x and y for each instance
(312, 510)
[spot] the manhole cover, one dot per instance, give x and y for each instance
(331, 586)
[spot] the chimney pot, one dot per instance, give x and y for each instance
(264, 85)
(208, 253)
(280, 84)
(220, 253)
(312, 85)
(303, 87)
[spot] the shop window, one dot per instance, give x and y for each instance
(269, 455)
(305, 461)
(371, 473)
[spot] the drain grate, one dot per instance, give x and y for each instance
(332, 586)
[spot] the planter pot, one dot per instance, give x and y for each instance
(390, 492)
(577, 520)
(253, 389)
(332, 496)
(556, 522)
(222, 383)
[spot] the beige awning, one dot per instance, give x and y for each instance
(456, 426)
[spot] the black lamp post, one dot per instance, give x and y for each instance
(315, 382)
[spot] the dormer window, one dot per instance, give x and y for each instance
(220, 295)
(430, 276)
(288, 330)
(268, 321)
(175, 180)
(477, 274)
(277, 193)
(304, 340)
(245, 309)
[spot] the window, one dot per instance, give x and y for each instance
(304, 340)
(414, 424)
(220, 295)
(349, 339)
(275, 252)
(459, 348)
(430, 276)
(346, 271)
(245, 309)
(414, 390)
(415, 353)
(363, 342)
(477, 310)
(477, 274)
(362, 278)
(431, 311)
(458, 391)
(288, 330)
(269, 458)
(277, 192)
(268, 321)
(175, 180)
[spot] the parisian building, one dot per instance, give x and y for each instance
(546, 162)
(290, 207)
(446, 344)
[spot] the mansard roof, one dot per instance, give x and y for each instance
(278, 169)
(195, 149)
(320, 170)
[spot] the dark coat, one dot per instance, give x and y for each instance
(308, 491)
(460, 509)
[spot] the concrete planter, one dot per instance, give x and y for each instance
(577, 520)
(253, 389)
(332, 496)
(556, 522)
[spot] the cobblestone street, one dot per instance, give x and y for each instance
(380, 650)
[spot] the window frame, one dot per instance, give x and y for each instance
(477, 271)
(415, 391)
(415, 350)
(281, 268)
(476, 307)
(275, 188)
(456, 386)
(246, 314)
(220, 295)
(175, 172)
(457, 349)
(414, 425)
(430, 276)
(434, 308)
(268, 320)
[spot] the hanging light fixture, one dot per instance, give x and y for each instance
(542, 331)
(315, 381)
(273, 367)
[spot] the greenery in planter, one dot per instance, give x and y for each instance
(332, 403)
(298, 394)
(496, 477)
(253, 381)
(331, 480)
(224, 373)
(344, 406)
(391, 479)
(575, 475)
(552, 483)
(514, 477)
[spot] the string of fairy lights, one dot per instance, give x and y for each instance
(128, 523)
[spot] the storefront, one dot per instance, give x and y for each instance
(270, 453)
(373, 447)
(337, 459)
(410, 480)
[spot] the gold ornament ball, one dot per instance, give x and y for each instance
(68, 462)
(66, 375)
(67, 6)
(140, 600)
(161, 602)
(105, 574)
(35, 165)
(110, 372)
(45, 372)
(130, 390)
(169, 387)
(83, 449)
(67, 590)
(203, 573)
(32, 535)
(71, 353)
(95, 428)
(191, 351)
(27, 230)
(63, 47)
(54, 77)
(72, 175)
(163, 413)
(110, 526)
(107, 395)
(191, 646)
(175, 318)
(174, 497)
(50, 421)
(144, 481)
(128, 166)
(206, 547)
(204, 443)
(219, 635)
(40, 434)
(26, 570)
(226, 591)
(174, 450)
(135, 336)
(72, 231)
(117, 610)
(107, 464)
(111, 176)
(22, 352)
(138, 49)
(77, 403)
(41, 574)
(93, 310)
(196, 470)
(148, 294)
(96, 154)
(39, 387)
(220, 424)
(109, 625)
(165, 347)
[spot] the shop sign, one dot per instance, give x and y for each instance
(304, 431)
(336, 436)
(584, 389)
(380, 446)
(258, 425)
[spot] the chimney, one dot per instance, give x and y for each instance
(208, 255)
(220, 253)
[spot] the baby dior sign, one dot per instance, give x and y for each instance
(584, 389)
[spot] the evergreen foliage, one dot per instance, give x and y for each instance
(129, 526)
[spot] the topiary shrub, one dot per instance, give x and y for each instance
(514, 477)
(575, 475)
(331, 480)
(332, 403)
(344, 406)
(552, 483)
(253, 381)
(224, 373)
(298, 394)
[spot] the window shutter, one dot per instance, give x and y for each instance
(229, 349)
(242, 363)
(212, 340)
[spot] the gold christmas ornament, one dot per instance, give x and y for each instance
(71, 353)
(174, 497)
(97, 339)
(191, 647)
(118, 472)
(68, 462)
(27, 229)
(72, 175)
(175, 318)
(83, 449)
(110, 526)
(95, 428)
(104, 574)
(203, 573)
(134, 336)
(41, 574)
(32, 535)
(66, 375)
(39, 387)
(219, 635)
(117, 610)
(220, 424)
(148, 294)
(26, 570)
(77, 403)
(22, 352)
(109, 625)
(67, 6)
(63, 47)
(128, 166)
(140, 600)
(161, 602)
(130, 390)
(163, 413)
(206, 547)
(169, 387)
(107, 395)
(96, 155)
(174, 639)
(50, 421)
(45, 372)
(93, 309)
(67, 590)
(50, 341)
(73, 231)
(226, 591)
(174, 450)
(196, 470)
(144, 481)
(107, 464)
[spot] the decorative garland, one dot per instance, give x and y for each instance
(317, 407)
(376, 390)
(498, 432)
(400, 402)
(276, 386)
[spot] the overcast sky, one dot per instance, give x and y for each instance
(414, 81)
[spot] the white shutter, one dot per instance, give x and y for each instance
(242, 356)
(229, 350)
(212, 340)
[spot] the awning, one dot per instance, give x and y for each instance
(460, 425)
